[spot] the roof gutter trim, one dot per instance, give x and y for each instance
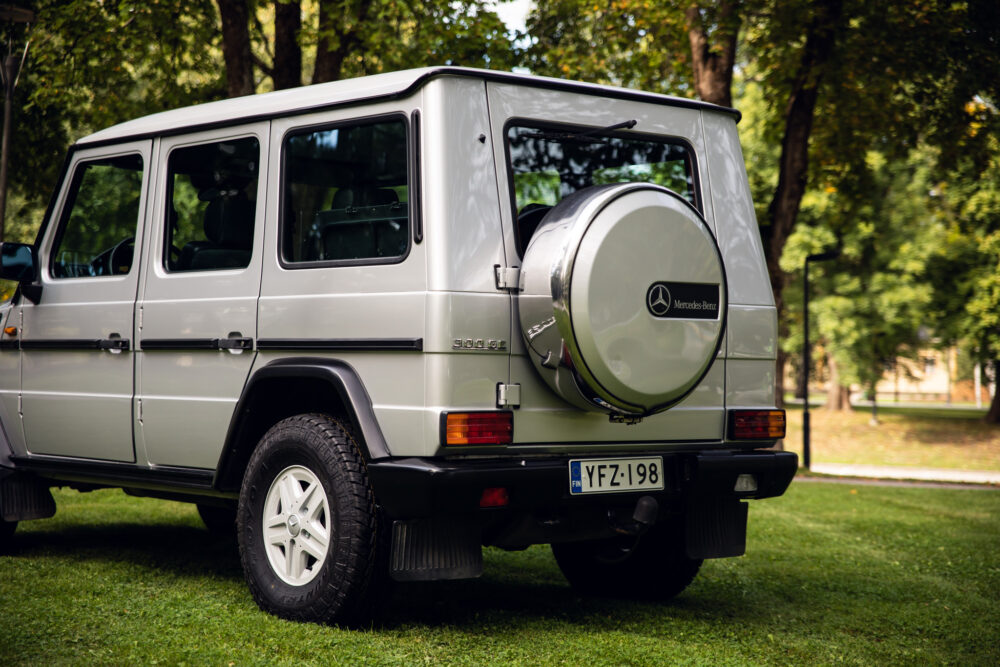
(414, 86)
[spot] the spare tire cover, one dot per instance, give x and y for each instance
(623, 298)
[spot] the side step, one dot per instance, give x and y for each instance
(24, 498)
(435, 549)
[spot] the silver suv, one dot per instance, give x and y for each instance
(377, 324)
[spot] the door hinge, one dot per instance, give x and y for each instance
(508, 395)
(507, 277)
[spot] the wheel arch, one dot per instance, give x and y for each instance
(293, 386)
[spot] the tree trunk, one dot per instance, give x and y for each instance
(993, 414)
(713, 63)
(801, 380)
(236, 47)
(838, 397)
(287, 72)
(338, 38)
(793, 166)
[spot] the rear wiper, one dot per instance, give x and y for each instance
(627, 125)
(548, 134)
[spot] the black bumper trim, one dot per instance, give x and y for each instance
(420, 487)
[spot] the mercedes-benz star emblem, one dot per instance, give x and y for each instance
(658, 299)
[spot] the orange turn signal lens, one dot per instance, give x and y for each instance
(478, 428)
(756, 424)
(10, 331)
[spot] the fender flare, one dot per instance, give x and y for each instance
(339, 375)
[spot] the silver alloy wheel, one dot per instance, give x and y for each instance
(296, 525)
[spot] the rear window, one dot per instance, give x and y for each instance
(549, 162)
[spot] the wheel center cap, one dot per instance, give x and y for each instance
(294, 525)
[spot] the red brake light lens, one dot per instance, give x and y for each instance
(495, 496)
(478, 428)
(756, 424)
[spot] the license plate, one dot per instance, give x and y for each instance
(615, 475)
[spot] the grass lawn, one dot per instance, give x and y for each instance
(922, 437)
(834, 573)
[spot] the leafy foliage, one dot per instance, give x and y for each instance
(632, 43)
(965, 264)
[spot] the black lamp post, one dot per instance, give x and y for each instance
(807, 348)
(9, 70)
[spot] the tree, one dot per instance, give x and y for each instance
(712, 61)
(93, 64)
(965, 265)
(236, 46)
(871, 303)
(356, 37)
(287, 70)
(624, 42)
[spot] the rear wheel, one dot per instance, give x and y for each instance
(652, 566)
(307, 524)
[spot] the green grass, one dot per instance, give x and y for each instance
(834, 573)
(924, 437)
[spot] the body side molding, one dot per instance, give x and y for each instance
(339, 344)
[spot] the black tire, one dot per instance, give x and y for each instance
(652, 567)
(218, 519)
(308, 454)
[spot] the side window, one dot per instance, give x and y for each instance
(212, 205)
(345, 193)
(97, 229)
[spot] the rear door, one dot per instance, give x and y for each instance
(198, 304)
(550, 143)
(77, 343)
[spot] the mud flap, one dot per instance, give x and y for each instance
(25, 498)
(716, 528)
(435, 549)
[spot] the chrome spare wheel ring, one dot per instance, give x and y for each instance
(296, 525)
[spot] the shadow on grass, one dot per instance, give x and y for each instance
(515, 592)
(496, 605)
(523, 591)
(176, 550)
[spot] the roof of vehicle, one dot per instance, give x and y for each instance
(346, 92)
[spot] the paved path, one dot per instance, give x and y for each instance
(908, 473)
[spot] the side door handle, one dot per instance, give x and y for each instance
(235, 343)
(114, 344)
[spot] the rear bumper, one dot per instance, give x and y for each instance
(411, 488)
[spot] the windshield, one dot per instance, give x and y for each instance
(548, 163)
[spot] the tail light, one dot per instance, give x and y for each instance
(477, 428)
(495, 496)
(756, 424)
